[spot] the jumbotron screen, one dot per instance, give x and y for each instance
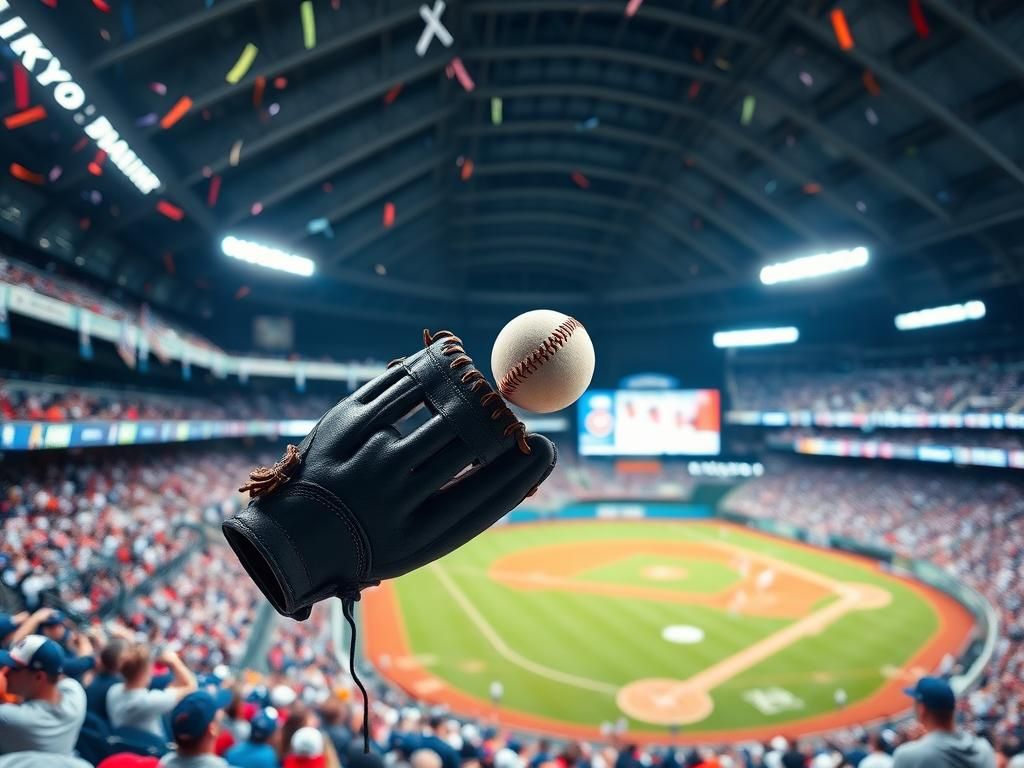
(626, 422)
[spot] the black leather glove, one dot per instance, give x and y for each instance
(357, 502)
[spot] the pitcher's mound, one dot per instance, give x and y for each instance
(665, 573)
(662, 701)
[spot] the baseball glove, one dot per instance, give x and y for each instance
(357, 502)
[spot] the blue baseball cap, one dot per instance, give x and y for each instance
(261, 728)
(934, 693)
(55, 618)
(193, 714)
(7, 624)
(34, 652)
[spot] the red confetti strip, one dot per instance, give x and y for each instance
(96, 166)
(633, 7)
(26, 117)
(21, 173)
(841, 28)
(280, 83)
(102, 5)
(177, 112)
(50, 3)
(918, 17)
(467, 170)
(213, 192)
(171, 211)
(169, 262)
(580, 180)
(694, 90)
(242, 292)
(870, 83)
(257, 90)
(462, 75)
(812, 188)
(389, 215)
(256, 209)
(390, 96)
(336, 5)
(80, 145)
(20, 86)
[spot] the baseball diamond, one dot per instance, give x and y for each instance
(578, 621)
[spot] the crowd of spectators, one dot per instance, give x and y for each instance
(963, 386)
(972, 525)
(967, 438)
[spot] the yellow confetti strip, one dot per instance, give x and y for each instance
(236, 153)
(308, 24)
(245, 60)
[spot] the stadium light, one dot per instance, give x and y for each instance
(951, 313)
(756, 337)
(265, 256)
(819, 265)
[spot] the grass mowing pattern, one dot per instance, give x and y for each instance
(617, 640)
(699, 576)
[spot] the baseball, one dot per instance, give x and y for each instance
(543, 360)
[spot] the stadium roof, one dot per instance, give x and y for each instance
(638, 168)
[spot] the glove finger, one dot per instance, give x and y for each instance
(473, 502)
(374, 387)
(440, 469)
(425, 441)
(394, 403)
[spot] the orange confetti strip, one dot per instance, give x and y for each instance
(580, 180)
(812, 188)
(213, 192)
(257, 90)
(870, 83)
(389, 215)
(96, 166)
(25, 117)
(467, 170)
(177, 112)
(242, 292)
(169, 262)
(841, 28)
(171, 211)
(391, 95)
(21, 173)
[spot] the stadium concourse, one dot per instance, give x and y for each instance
(785, 527)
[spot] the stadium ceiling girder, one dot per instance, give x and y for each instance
(911, 93)
(613, 8)
(970, 28)
(506, 257)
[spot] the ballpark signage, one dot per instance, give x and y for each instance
(70, 96)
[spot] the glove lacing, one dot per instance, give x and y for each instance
(452, 345)
(348, 604)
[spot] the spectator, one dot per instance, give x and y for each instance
(306, 749)
(879, 756)
(133, 704)
(107, 674)
(436, 742)
(334, 715)
(942, 746)
(256, 752)
(8, 625)
(195, 723)
(35, 759)
(425, 758)
(53, 707)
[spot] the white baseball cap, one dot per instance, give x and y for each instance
(308, 742)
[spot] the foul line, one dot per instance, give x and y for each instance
(511, 656)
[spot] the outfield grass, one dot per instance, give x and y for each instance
(612, 640)
(698, 576)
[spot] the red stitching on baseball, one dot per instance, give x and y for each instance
(521, 371)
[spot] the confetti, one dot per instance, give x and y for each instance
(463, 76)
(432, 27)
(812, 188)
(147, 120)
(105, 34)
(102, 5)
(96, 166)
(80, 145)
(870, 83)
(55, 173)
(158, 88)
(381, 270)
(206, 115)
(466, 172)
(336, 5)
(236, 154)
(862, 206)
(242, 65)
(50, 3)
(841, 28)
(242, 292)
(580, 180)
(21, 173)
(26, 117)
(256, 209)
(391, 95)
(807, 79)
(177, 112)
(327, 187)
(717, 4)
(171, 211)
(308, 24)
(21, 95)
(389, 215)
(449, 71)
(213, 192)
(589, 124)
(723, 64)
(320, 226)
(698, 54)
(918, 17)
(84, 223)
(273, 109)
(169, 262)
(93, 196)
(257, 90)
(127, 19)
(496, 109)
(771, 186)
(694, 90)
(749, 105)
(633, 7)
(280, 83)
(871, 116)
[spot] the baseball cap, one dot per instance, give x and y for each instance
(34, 652)
(7, 624)
(261, 727)
(307, 742)
(127, 760)
(55, 618)
(194, 713)
(934, 693)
